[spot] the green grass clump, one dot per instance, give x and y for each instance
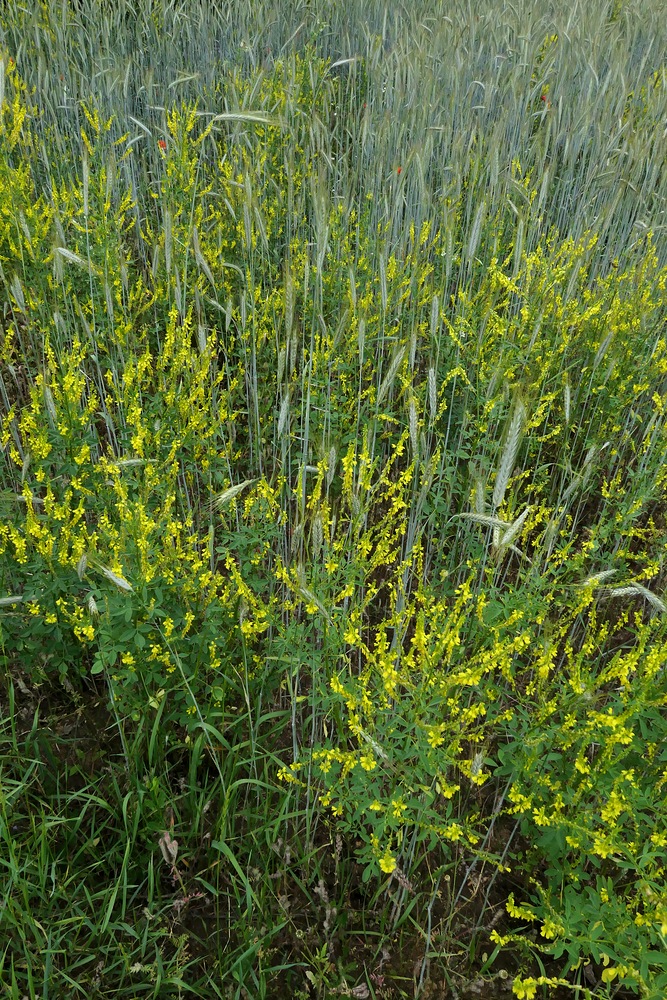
(332, 399)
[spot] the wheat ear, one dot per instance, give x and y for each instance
(509, 455)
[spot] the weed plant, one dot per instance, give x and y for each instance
(333, 376)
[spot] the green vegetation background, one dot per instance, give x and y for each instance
(333, 368)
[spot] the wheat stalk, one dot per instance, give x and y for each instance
(509, 454)
(391, 375)
(432, 393)
(217, 503)
(414, 423)
(284, 414)
(515, 528)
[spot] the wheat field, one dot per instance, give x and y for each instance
(333, 377)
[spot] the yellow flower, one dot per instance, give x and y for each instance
(524, 989)
(388, 862)
(398, 807)
(84, 633)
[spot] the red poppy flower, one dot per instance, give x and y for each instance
(399, 170)
(162, 144)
